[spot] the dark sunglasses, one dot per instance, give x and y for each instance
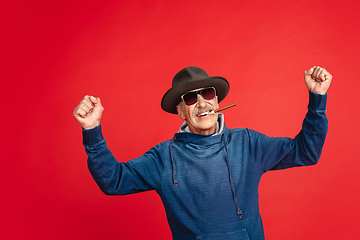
(192, 97)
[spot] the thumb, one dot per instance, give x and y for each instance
(94, 100)
(97, 103)
(98, 108)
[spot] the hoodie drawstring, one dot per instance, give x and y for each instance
(238, 211)
(175, 182)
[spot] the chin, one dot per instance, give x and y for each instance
(207, 126)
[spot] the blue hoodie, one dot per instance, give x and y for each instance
(209, 183)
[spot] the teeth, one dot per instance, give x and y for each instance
(206, 113)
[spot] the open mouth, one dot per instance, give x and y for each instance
(206, 113)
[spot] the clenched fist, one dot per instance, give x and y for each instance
(317, 80)
(88, 112)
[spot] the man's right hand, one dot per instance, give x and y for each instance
(88, 112)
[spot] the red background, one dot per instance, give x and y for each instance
(126, 52)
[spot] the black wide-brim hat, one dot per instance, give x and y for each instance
(191, 78)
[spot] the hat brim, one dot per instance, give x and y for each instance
(172, 96)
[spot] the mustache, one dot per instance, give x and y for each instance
(198, 111)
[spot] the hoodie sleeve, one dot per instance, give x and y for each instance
(305, 149)
(120, 178)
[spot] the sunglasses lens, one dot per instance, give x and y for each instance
(190, 98)
(208, 93)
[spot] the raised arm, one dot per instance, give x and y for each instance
(113, 177)
(306, 147)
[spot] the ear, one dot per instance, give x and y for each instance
(180, 113)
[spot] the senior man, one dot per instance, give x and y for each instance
(207, 175)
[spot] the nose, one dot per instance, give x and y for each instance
(201, 101)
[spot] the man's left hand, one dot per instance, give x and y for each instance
(317, 80)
